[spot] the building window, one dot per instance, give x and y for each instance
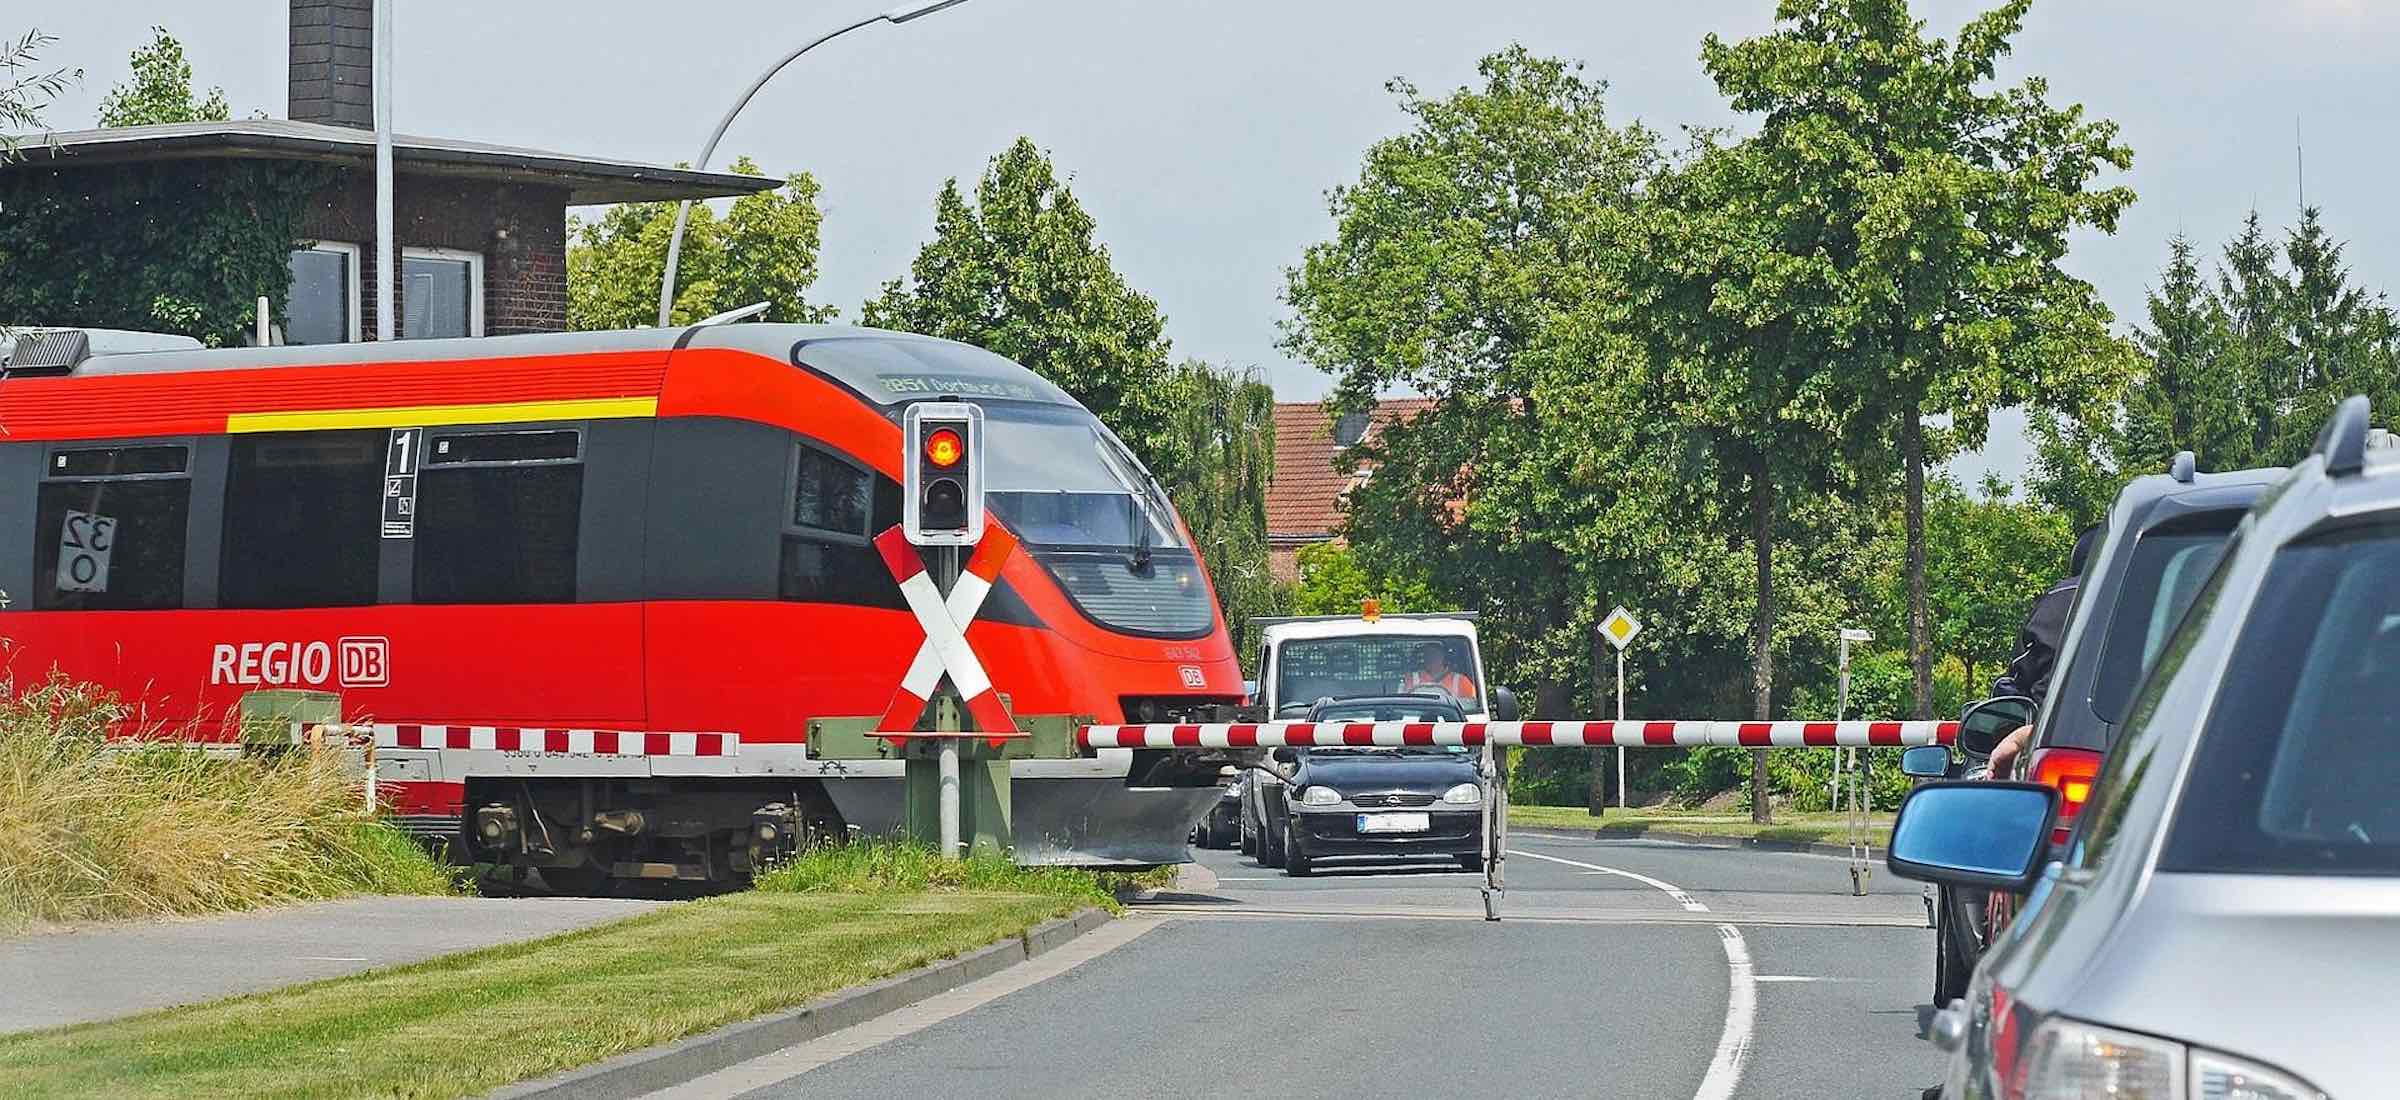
(109, 529)
(324, 300)
(441, 293)
(498, 516)
(826, 554)
(303, 514)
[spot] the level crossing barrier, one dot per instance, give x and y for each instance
(1661, 734)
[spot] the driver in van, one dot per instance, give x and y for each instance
(1434, 672)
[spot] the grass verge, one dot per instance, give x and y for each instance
(465, 1024)
(91, 830)
(1790, 827)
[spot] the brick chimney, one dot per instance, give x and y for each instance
(333, 63)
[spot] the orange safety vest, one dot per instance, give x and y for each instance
(1455, 683)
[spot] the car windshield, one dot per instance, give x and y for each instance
(2298, 771)
(1060, 479)
(2166, 569)
(1309, 669)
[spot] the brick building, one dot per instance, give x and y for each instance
(1305, 493)
(481, 228)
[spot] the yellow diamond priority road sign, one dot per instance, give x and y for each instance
(1620, 627)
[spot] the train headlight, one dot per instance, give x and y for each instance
(1465, 794)
(1320, 796)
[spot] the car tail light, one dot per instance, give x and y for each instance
(2072, 771)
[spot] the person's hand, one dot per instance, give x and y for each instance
(2004, 755)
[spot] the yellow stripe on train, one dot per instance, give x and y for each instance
(426, 416)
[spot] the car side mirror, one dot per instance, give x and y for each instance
(1985, 834)
(1285, 754)
(1504, 705)
(1986, 721)
(1926, 762)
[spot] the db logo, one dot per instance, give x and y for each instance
(1193, 676)
(366, 662)
(352, 662)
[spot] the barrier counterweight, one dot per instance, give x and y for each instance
(1245, 735)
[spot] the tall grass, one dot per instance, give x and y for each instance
(91, 830)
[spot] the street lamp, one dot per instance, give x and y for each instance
(917, 9)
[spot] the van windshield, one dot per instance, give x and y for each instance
(1309, 669)
(2164, 574)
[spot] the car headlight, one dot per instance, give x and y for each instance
(1320, 796)
(1465, 794)
(2223, 1077)
(2069, 1058)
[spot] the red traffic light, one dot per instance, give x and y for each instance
(944, 448)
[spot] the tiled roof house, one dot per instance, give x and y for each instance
(1305, 495)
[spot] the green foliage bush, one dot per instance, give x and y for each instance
(183, 246)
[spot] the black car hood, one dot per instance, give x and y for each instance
(1433, 774)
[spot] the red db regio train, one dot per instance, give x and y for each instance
(597, 582)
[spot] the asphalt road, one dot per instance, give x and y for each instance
(1625, 968)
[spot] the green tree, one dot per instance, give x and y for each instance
(1919, 217)
(1333, 581)
(161, 89)
(763, 249)
(1214, 459)
(1987, 558)
(1019, 272)
(1459, 246)
(27, 86)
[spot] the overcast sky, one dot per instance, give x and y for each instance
(1202, 134)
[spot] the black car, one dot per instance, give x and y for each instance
(1388, 802)
(1222, 824)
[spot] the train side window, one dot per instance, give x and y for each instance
(497, 517)
(109, 528)
(827, 556)
(303, 514)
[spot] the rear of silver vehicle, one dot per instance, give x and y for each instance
(2224, 922)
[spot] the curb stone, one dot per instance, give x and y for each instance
(1703, 840)
(645, 1071)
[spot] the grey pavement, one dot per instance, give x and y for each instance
(94, 972)
(1385, 980)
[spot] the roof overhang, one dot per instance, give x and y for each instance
(588, 181)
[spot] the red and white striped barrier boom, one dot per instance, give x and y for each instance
(1248, 735)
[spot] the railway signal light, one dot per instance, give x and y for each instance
(942, 490)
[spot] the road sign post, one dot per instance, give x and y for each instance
(1620, 628)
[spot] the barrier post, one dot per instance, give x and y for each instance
(1493, 765)
(947, 720)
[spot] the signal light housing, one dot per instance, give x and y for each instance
(942, 479)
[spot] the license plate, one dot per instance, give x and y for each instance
(1393, 823)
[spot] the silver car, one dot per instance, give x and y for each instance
(2225, 920)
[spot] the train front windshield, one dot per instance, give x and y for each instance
(1060, 481)
(1094, 519)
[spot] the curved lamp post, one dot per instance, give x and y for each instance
(915, 9)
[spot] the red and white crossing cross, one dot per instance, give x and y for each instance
(945, 650)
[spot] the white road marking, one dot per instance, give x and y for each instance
(800, 1058)
(1784, 978)
(1741, 999)
(1689, 903)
